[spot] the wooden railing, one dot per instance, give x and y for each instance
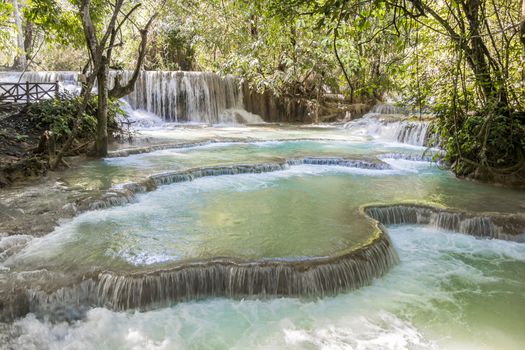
(27, 92)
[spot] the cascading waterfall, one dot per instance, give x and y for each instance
(69, 283)
(508, 227)
(388, 122)
(310, 277)
(391, 129)
(185, 96)
(189, 97)
(314, 277)
(198, 97)
(351, 163)
(412, 133)
(40, 77)
(228, 277)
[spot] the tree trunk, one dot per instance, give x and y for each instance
(28, 39)
(475, 50)
(86, 94)
(102, 111)
(522, 27)
(20, 58)
(480, 57)
(341, 64)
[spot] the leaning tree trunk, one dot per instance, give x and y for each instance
(119, 91)
(102, 111)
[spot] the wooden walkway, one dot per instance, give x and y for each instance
(26, 92)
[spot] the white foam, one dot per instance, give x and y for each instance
(192, 326)
(11, 245)
(389, 131)
(375, 331)
(141, 119)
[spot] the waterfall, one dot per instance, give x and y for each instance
(350, 163)
(506, 227)
(392, 128)
(39, 77)
(190, 97)
(189, 280)
(413, 133)
(68, 80)
(230, 277)
(198, 97)
(221, 277)
(387, 108)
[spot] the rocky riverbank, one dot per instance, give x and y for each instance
(19, 138)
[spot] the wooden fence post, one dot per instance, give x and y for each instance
(27, 92)
(56, 88)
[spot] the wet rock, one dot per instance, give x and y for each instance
(70, 209)
(13, 305)
(22, 170)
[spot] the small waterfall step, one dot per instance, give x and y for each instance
(220, 277)
(391, 124)
(509, 227)
(125, 193)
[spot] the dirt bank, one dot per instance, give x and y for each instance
(19, 138)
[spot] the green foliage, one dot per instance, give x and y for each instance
(288, 46)
(58, 115)
(467, 67)
(5, 28)
(461, 59)
(21, 138)
(61, 24)
(491, 140)
(5, 11)
(172, 48)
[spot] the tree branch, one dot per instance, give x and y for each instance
(118, 90)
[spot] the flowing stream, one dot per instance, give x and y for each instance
(241, 236)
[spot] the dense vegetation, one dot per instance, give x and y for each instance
(460, 59)
(57, 116)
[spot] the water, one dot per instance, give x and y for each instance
(396, 128)
(190, 97)
(236, 216)
(450, 291)
(68, 81)
(111, 171)
(248, 217)
(237, 236)
(233, 215)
